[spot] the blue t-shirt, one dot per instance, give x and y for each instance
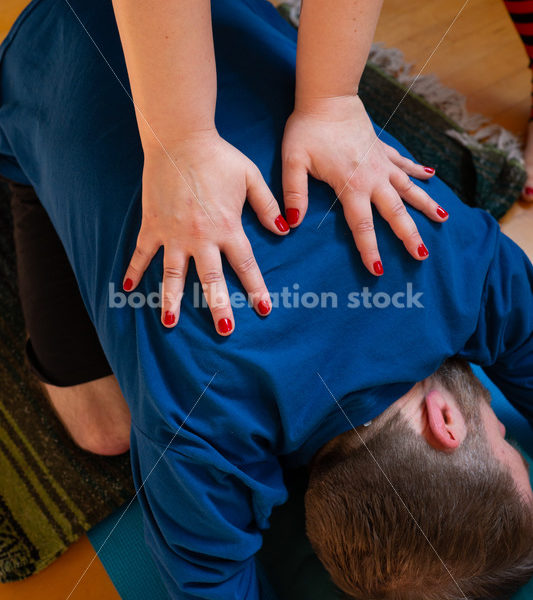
(214, 419)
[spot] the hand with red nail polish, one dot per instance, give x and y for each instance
(192, 206)
(333, 140)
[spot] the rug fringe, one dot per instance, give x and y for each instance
(477, 129)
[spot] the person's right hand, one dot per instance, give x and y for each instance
(192, 200)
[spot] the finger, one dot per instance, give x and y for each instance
(358, 213)
(266, 207)
(407, 165)
(295, 193)
(142, 255)
(175, 265)
(392, 209)
(241, 258)
(209, 268)
(417, 197)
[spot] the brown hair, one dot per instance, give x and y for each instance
(423, 524)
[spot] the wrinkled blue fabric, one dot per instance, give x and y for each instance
(214, 419)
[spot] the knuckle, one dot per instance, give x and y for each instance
(140, 252)
(226, 222)
(257, 292)
(246, 265)
(397, 209)
(412, 234)
(271, 205)
(133, 271)
(370, 255)
(292, 161)
(168, 298)
(173, 272)
(199, 227)
(352, 185)
(210, 277)
(364, 226)
(292, 196)
(405, 185)
(220, 311)
(428, 200)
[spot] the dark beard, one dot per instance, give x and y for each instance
(457, 377)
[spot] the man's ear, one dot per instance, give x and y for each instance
(445, 427)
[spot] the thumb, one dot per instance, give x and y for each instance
(294, 191)
(262, 200)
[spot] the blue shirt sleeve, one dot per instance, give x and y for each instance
(202, 518)
(503, 340)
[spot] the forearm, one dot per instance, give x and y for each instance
(168, 47)
(334, 40)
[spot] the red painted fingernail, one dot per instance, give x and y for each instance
(293, 214)
(263, 307)
(529, 191)
(127, 285)
(422, 251)
(281, 224)
(429, 170)
(225, 325)
(169, 318)
(378, 268)
(441, 212)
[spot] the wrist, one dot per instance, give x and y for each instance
(179, 142)
(329, 107)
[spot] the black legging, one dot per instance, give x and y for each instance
(63, 348)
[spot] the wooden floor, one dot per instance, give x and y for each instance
(9, 10)
(59, 579)
(482, 57)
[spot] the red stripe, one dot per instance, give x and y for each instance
(525, 28)
(519, 7)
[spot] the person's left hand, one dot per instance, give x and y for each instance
(333, 140)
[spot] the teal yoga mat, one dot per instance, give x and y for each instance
(297, 576)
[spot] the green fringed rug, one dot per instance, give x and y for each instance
(480, 174)
(51, 492)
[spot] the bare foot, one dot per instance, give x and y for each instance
(527, 193)
(95, 414)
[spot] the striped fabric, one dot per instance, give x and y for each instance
(521, 12)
